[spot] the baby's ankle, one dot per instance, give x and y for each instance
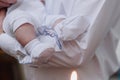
(57, 22)
(1, 31)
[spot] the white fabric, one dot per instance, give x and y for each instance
(12, 47)
(36, 47)
(93, 53)
(24, 11)
(27, 11)
(50, 20)
(72, 27)
(96, 48)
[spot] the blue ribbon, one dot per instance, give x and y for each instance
(47, 31)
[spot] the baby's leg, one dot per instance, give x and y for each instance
(25, 33)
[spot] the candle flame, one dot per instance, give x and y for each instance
(74, 75)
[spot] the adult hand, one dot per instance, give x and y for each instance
(6, 3)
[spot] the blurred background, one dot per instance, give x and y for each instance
(9, 68)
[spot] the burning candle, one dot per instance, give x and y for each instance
(73, 75)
